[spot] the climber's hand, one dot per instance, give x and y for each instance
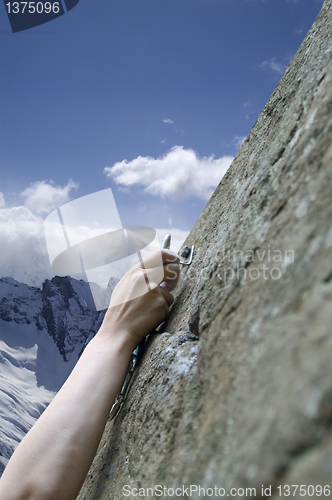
(141, 300)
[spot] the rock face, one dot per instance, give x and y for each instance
(237, 390)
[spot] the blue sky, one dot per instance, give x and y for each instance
(165, 90)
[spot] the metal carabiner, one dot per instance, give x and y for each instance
(120, 399)
(186, 252)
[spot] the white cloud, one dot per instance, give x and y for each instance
(23, 249)
(247, 104)
(167, 120)
(2, 200)
(239, 140)
(142, 207)
(42, 197)
(23, 254)
(179, 174)
(273, 65)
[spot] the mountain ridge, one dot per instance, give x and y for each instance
(43, 331)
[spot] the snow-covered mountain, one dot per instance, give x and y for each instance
(42, 334)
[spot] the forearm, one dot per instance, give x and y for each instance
(53, 464)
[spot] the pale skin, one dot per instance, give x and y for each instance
(54, 457)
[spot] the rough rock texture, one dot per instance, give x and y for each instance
(237, 391)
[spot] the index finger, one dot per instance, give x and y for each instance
(169, 256)
(159, 258)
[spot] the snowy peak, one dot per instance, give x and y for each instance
(69, 288)
(42, 334)
(69, 313)
(19, 302)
